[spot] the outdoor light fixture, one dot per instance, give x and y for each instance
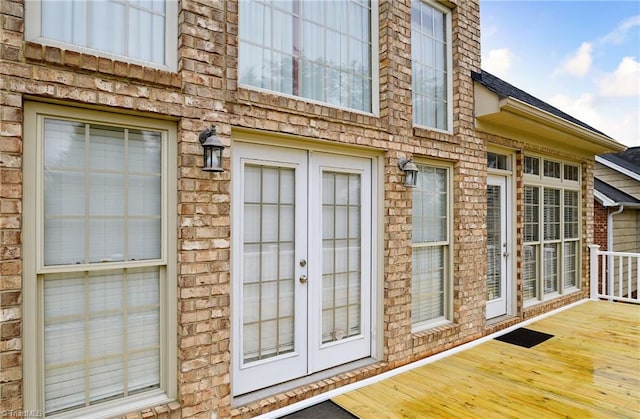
(212, 150)
(410, 172)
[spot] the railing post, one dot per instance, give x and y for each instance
(593, 271)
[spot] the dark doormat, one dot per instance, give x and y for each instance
(324, 410)
(524, 337)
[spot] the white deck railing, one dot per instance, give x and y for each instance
(615, 276)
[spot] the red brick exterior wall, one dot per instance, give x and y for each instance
(600, 219)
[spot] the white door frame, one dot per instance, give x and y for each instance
(305, 358)
(502, 305)
(260, 374)
(326, 355)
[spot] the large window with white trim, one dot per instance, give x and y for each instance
(431, 64)
(551, 256)
(101, 259)
(318, 50)
(430, 288)
(143, 31)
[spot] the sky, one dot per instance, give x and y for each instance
(581, 56)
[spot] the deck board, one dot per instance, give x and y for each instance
(590, 368)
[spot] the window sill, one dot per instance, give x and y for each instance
(548, 298)
(153, 400)
(40, 53)
(434, 332)
(420, 132)
(251, 96)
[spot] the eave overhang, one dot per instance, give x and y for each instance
(607, 202)
(512, 118)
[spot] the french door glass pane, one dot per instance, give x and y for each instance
(88, 358)
(102, 199)
(268, 268)
(494, 242)
(341, 270)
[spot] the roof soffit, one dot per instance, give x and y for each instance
(513, 118)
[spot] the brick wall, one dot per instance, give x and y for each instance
(10, 212)
(205, 92)
(600, 220)
(587, 233)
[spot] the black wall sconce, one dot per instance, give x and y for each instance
(212, 150)
(410, 172)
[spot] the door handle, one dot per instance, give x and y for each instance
(303, 279)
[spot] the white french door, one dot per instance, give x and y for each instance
(497, 246)
(301, 263)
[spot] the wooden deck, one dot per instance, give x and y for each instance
(590, 368)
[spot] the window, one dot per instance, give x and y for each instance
(141, 31)
(497, 161)
(551, 229)
(531, 165)
(101, 274)
(431, 65)
(571, 172)
(430, 288)
(552, 169)
(318, 50)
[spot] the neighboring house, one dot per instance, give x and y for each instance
(617, 200)
(134, 281)
(617, 208)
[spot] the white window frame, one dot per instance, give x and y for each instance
(35, 113)
(449, 67)
(374, 65)
(33, 24)
(561, 184)
(447, 247)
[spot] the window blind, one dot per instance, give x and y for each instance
(102, 203)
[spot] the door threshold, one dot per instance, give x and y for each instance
(247, 398)
(499, 319)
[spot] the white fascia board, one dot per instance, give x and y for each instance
(604, 199)
(618, 168)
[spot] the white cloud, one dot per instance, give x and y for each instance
(624, 81)
(625, 128)
(582, 108)
(618, 35)
(498, 61)
(620, 121)
(489, 31)
(579, 63)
